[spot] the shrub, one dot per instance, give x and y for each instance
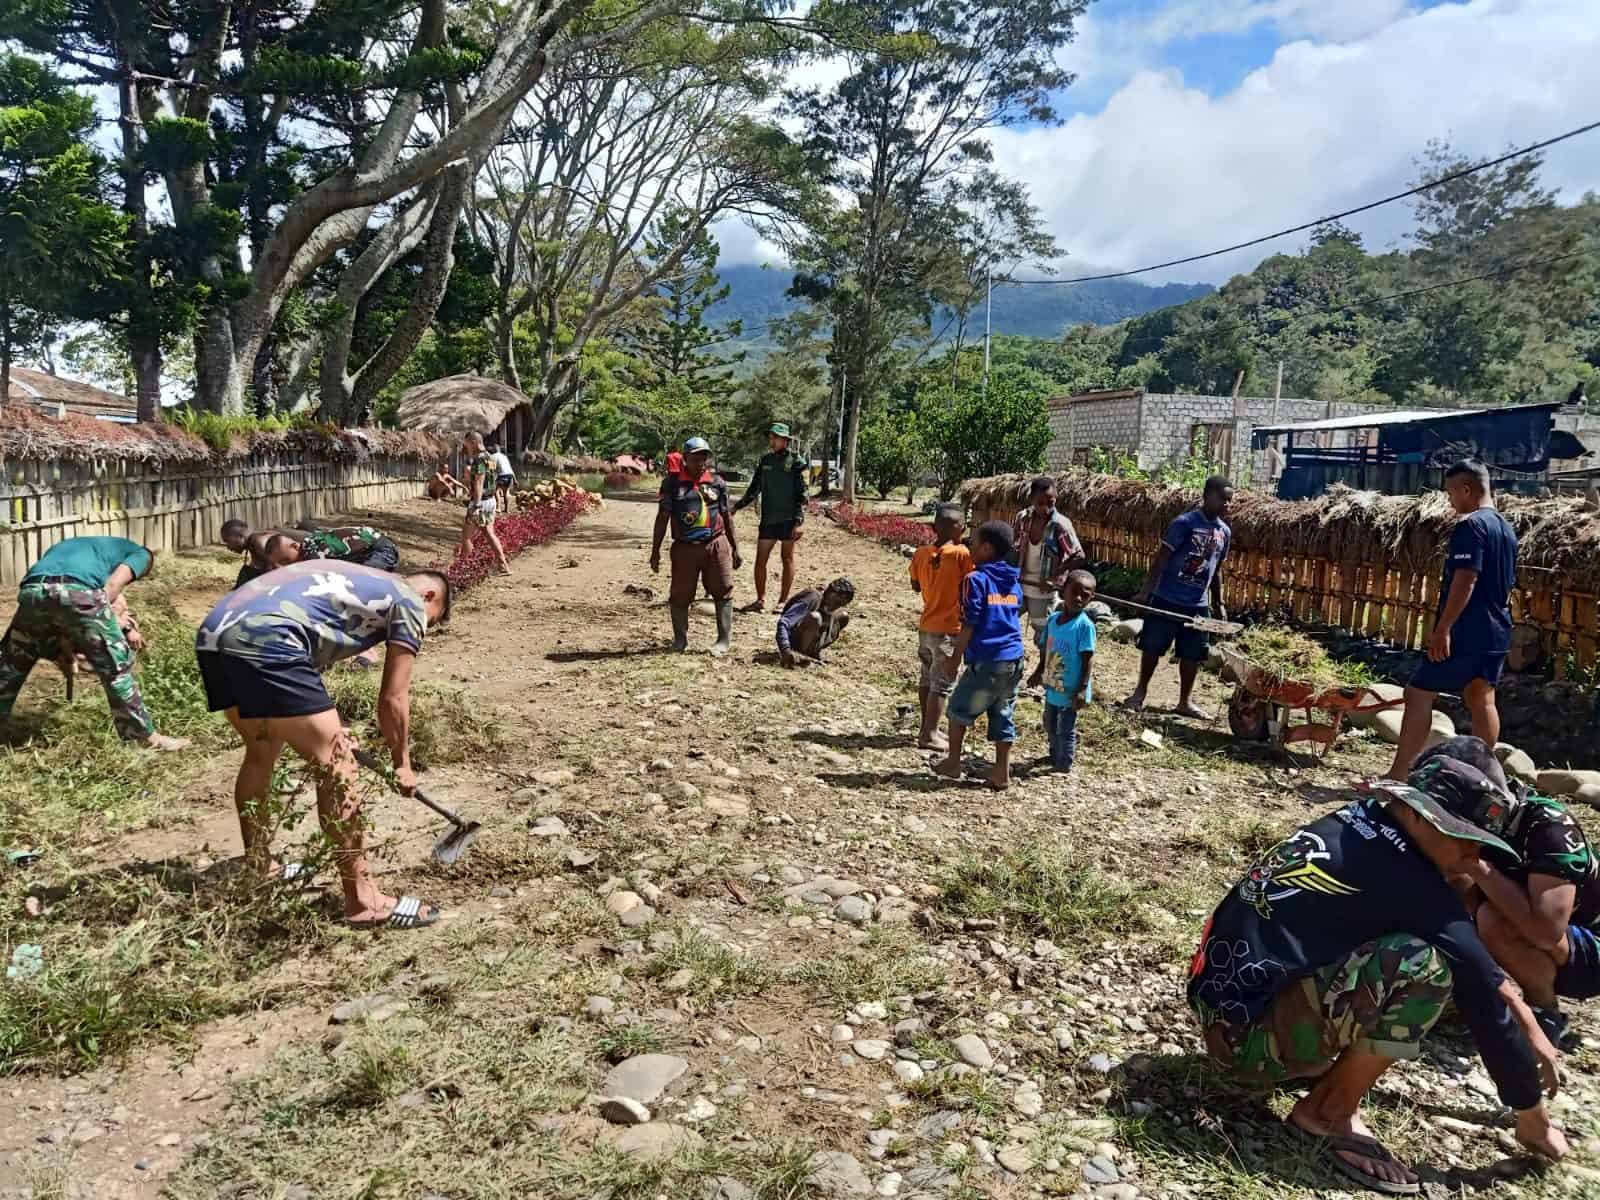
(517, 531)
(886, 527)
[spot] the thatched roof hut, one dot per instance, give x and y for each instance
(1341, 525)
(459, 404)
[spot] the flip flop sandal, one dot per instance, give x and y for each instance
(1366, 1147)
(406, 914)
(296, 872)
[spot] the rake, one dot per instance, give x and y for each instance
(462, 834)
(1204, 624)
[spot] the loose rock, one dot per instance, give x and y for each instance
(644, 1077)
(973, 1051)
(871, 1049)
(835, 1173)
(623, 1110)
(853, 909)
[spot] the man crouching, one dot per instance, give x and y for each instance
(1336, 954)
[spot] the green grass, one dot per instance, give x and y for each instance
(1043, 891)
(448, 725)
(716, 971)
(891, 962)
(624, 1041)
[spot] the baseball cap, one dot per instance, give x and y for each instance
(1442, 790)
(696, 444)
(779, 428)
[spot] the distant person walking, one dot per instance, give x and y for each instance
(694, 502)
(1047, 547)
(1187, 570)
(66, 606)
(505, 479)
(481, 506)
(1472, 635)
(780, 485)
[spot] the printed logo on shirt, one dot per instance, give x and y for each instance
(1009, 600)
(1201, 542)
(1289, 869)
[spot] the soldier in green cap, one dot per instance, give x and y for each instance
(780, 485)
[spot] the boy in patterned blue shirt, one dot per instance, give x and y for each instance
(1065, 663)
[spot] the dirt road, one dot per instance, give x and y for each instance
(854, 978)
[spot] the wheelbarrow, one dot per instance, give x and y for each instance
(1263, 707)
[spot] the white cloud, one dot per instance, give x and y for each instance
(1165, 170)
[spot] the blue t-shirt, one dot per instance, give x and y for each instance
(90, 560)
(991, 604)
(323, 611)
(1484, 542)
(1198, 544)
(1065, 641)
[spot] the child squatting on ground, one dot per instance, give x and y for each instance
(990, 643)
(1066, 662)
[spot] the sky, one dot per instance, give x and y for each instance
(1193, 124)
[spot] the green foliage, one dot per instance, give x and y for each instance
(1042, 891)
(890, 451)
(662, 417)
(219, 432)
(678, 341)
(973, 434)
(173, 143)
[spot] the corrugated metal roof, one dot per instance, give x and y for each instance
(1416, 416)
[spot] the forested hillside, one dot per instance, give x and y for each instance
(760, 294)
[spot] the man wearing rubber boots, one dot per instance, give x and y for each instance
(694, 501)
(262, 651)
(66, 606)
(780, 485)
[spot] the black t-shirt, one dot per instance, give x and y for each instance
(1334, 885)
(1482, 541)
(1552, 843)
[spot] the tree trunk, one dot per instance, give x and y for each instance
(852, 438)
(143, 338)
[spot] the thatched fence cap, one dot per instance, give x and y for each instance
(459, 404)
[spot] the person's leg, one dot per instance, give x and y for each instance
(1481, 704)
(1002, 727)
(684, 566)
(807, 637)
(384, 555)
(971, 698)
(717, 572)
(1050, 713)
(1155, 639)
(1414, 727)
(786, 550)
(939, 685)
(97, 635)
(1188, 672)
(1533, 969)
(29, 638)
(252, 791)
(320, 739)
(1065, 750)
(499, 550)
(763, 557)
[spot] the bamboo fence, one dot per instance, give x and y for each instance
(1353, 561)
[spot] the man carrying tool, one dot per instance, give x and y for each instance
(261, 652)
(694, 502)
(780, 485)
(1472, 635)
(1047, 547)
(67, 606)
(1187, 568)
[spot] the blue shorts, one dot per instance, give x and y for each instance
(262, 689)
(1580, 978)
(1160, 634)
(1455, 672)
(988, 689)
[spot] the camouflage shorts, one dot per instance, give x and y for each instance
(1383, 998)
(57, 620)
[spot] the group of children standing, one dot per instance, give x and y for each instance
(973, 600)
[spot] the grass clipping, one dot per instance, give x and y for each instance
(1284, 656)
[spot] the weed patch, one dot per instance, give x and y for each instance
(709, 969)
(1042, 891)
(448, 725)
(891, 962)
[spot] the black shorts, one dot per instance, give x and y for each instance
(1160, 634)
(779, 531)
(258, 689)
(504, 481)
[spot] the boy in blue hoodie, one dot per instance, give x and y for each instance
(990, 643)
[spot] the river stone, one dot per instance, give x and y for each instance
(1518, 764)
(835, 1173)
(1126, 631)
(973, 1051)
(1100, 1169)
(623, 1110)
(644, 1076)
(871, 1049)
(1016, 1158)
(620, 902)
(1565, 783)
(654, 1142)
(1588, 794)
(853, 909)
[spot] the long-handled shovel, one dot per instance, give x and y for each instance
(453, 844)
(1204, 624)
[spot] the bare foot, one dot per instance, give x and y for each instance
(160, 741)
(1191, 709)
(946, 769)
(1385, 1167)
(1134, 703)
(933, 741)
(998, 784)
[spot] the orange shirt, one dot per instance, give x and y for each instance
(939, 572)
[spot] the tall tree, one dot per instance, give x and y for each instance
(680, 341)
(924, 80)
(61, 243)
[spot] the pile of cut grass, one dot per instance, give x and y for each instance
(1285, 656)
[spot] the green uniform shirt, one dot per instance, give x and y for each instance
(780, 484)
(90, 560)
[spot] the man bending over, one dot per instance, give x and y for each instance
(813, 621)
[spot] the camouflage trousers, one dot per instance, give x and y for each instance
(1382, 999)
(58, 619)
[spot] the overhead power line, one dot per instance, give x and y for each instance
(1338, 216)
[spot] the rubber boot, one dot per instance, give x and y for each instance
(719, 648)
(680, 628)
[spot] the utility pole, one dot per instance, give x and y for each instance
(988, 326)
